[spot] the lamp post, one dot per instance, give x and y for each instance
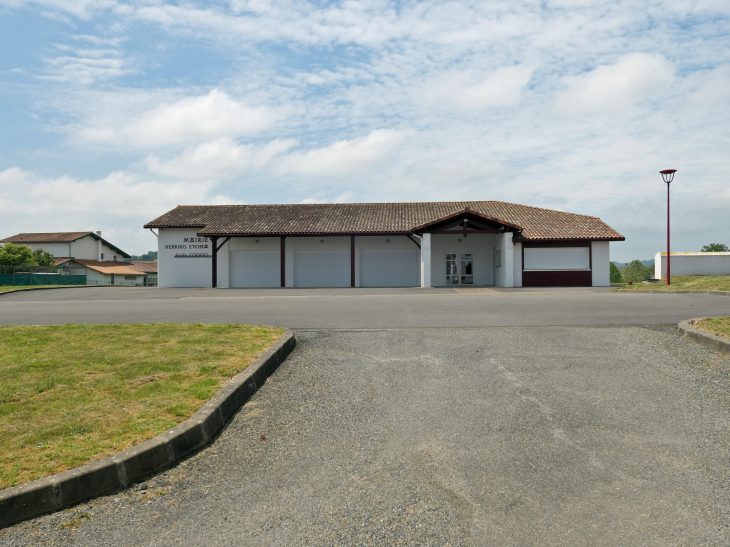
(668, 177)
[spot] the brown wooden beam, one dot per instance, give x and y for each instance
(352, 261)
(283, 261)
(414, 240)
(214, 240)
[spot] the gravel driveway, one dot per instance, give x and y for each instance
(499, 436)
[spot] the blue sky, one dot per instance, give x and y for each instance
(113, 112)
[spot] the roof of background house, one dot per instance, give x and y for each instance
(59, 237)
(374, 218)
(58, 260)
(146, 266)
(110, 266)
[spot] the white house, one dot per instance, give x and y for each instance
(692, 264)
(479, 243)
(84, 245)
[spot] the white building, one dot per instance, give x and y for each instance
(87, 253)
(480, 243)
(692, 264)
(84, 245)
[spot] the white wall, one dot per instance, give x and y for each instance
(86, 248)
(187, 271)
(600, 264)
(517, 265)
(505, 272)
(692, 264)
(478, 245)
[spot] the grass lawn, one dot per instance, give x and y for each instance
(719, 326)
(696, 282)
(72, 394)
(10, 288)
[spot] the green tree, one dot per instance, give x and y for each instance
(43, 258)
(715, 248)
(635, 271)
(616, 274)
(16, 255)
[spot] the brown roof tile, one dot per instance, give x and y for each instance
(374, 218)
(110, 267)
(146, 266)
(45, 237)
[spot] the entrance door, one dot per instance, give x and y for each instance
(459, 269)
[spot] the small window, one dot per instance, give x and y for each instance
(102, 256)
(115, 258)
(130, 277)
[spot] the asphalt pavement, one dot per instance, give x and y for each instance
(480, 436)
(357, 308)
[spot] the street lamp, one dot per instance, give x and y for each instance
(668, 177)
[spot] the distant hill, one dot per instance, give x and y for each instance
(644, 262)
(152, 255)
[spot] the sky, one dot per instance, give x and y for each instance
(113, 112)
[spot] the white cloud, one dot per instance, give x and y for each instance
(503, 87)
(613, 87)
(346, 155)
(221, 158)
(186, 120)
(716, 89)
(118, 204)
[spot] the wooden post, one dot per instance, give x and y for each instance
(214, 241)
(352, 261)
(283, 261)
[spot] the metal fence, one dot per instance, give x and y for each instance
(23, 279)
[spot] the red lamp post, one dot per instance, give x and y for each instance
(668, 177)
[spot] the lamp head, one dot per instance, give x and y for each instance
(668, 175)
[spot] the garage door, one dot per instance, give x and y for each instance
(255, 268)
(556, 267)
(391, 268)
(322, 268)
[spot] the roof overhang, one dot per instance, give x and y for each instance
(468, 220)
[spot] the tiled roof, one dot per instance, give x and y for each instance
(146, 266)
(60, 237)
(110, 267)
(46, 237)
(58, 260)
(374, 218)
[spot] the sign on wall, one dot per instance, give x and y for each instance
(191, 247)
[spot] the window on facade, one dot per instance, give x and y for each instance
(115, 258)
(102, 256)
(130, 277)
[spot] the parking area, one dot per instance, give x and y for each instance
(357, 308)
(497, 436)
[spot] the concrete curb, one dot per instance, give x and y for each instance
(657, 291)
(54, 288)
(710, 341)
(116, 472)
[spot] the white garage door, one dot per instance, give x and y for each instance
(390, 268)
(255, 268)
(557, 258)
(322, 268)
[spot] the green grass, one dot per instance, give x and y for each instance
(73, 394)
(696, 283)
(10, 288)
(719, 326)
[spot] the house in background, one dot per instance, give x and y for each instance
(87, 253)
(149, 267)
(108, 272)
(83, 245)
